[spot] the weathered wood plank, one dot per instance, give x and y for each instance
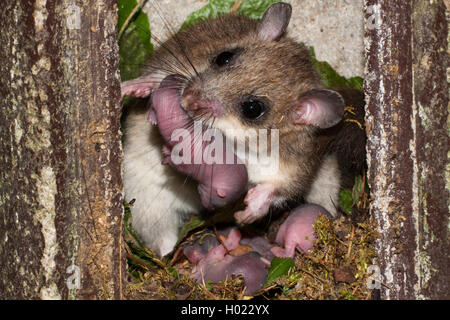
(408, 144)
(60, 152)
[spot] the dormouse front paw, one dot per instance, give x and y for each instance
(258, 200)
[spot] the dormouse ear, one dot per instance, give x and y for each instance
(321, 108)
(275, 21)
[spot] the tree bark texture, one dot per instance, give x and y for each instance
(60, 151)
(406, 86)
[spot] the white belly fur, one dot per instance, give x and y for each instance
(162, 196)
(325, 188)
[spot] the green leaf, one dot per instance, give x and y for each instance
(135, 46)
(357, 83)
(215, 8)
(172, 271)
(124, 9)
(255, 8)
(279, 267)
(357, 189)
(331, 78)
(128, 229)
(194, 223)
(346, 201)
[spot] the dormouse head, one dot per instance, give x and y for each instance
(241, 73)
(248, 74)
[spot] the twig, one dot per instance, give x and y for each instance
(268, 288)
(236, 6)
(203, 286)
(355, 289)
(241, 295)
(209, 293)
(176, 256)
(312, 275)
(355, 121)
(350, 245)
(350, 109)
(130, 16)
(140, 262)
(220, 239)
(318, 261)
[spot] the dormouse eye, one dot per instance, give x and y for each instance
(252, 108)
(224, 58)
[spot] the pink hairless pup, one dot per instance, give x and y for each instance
(297, 231)
(217, 262)
(219, 183)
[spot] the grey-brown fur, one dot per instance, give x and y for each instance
(279, 71)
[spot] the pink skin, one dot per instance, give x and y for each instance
(214, 264)
(219, 184)
(140, 87)
(200, 248)
(260, 245)
(297, 231)
(216, 256)
(217, 265)
(258, 200)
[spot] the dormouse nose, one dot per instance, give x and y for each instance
(194, 100)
